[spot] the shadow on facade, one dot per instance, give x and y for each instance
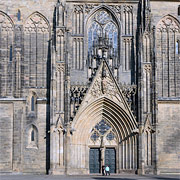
(48, 108)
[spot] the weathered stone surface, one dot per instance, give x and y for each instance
(53, 90)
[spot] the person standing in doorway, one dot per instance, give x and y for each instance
(103, 170)
(107, 169)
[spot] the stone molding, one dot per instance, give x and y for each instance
(5, 22)
(36, 23)
(147, 68)
(168, 23)
(60, 67)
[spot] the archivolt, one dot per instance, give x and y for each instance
(102, 108)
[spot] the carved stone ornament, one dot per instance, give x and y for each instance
(104, 86)
(5, 22)
(60, 67)
(36, 23)
(78, 8)
(116, 8)
(59, 123)
(128, 90)
(89, 7)
(60, 32)
(147, 68)
(168, 23)
(127, 39)
(128, 9)
(147, 125)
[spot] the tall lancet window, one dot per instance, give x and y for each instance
(103, 25)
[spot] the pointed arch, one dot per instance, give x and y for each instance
(103, 22)
(6, 58)
(122, 125)
(36, 35)
(32, 136)
(167, 34)
(60, 44)
(4, 18)
(168, 22)
(107, 8)
(102, 13)
(37, 19)
(104, 108)
(33, 98)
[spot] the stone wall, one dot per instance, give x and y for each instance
(17, 153)
(6, 136)
(168, 132)
(26, 44)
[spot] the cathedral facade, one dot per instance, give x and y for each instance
(89, 83)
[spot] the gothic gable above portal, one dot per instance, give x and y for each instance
(104, 100)
(104, 85)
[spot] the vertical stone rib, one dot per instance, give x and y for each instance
(73, 61)
(128, 22)
(29, 59)
(79, 52)
(62, 90)
(175, 63)
(168, 63)
(80, 22)
(76, 63)
(125, 57)
(162, 57)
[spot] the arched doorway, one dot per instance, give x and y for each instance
(103, 147)
(104, 135)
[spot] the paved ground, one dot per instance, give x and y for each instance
(89, 177)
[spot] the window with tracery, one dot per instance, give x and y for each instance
(103, 25)
(168, 33)
(6, 55)
(36, 37)
(102, 129)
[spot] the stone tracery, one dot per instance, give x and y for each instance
(102, 129)
(168, 31)
(168, 23)
(6, 54)
(37, 33)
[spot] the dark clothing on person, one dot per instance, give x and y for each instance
(103, 170)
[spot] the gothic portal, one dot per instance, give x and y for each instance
(85, 84)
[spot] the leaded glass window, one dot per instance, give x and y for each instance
(95, 136)
(110, 136)
(93, 32)
(103, 24)
(32, 103)
(102, 129)
(32, 135)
